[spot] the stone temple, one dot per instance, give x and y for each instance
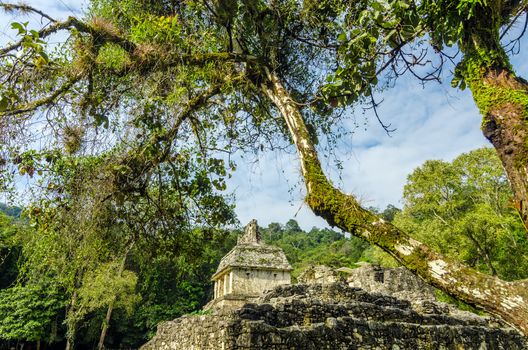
(368, 308)
(249, 269)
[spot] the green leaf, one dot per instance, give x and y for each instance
(4, 103)
(342, 37)
(21, 27)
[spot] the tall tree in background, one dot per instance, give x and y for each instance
(168, 85)
(463, 209)
(87, 228)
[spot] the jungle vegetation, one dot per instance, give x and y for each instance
(137, 109)
(464, 206)
(156, 284)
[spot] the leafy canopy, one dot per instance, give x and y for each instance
(463, 209)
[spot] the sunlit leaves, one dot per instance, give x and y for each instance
(107, 285)
(27, 312)
(150, 29)
(448, 21)
(368, 31)
(31, 42)
(464, 210)
(113, 56)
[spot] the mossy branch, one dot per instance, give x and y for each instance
(46, 101)
(508, 300)
(25, 8)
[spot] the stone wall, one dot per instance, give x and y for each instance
(250, 281)
(332, 316)
(398, 282)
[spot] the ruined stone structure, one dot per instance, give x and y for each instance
(399, 282)
(248, 270)
(327, 313)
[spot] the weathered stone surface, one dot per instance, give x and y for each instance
(332, 316)
(398, 282)
(251, 234)
(319, 274)
(253, 256)
(402, 284)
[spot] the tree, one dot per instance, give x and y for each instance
(478, 27)
(390, 212)
(175, 82)
(292, 226)
(86, 231)
(83, 239)
(29, 313)
(463, 210)
(478, 31)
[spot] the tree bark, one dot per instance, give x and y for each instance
(508, 300)
(503, 101)
(106, 325)
(500, 95)
(482, 252)
(70, 328)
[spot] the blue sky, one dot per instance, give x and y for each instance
(432, 122)
(435, 122)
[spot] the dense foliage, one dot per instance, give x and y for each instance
(159, 282)
(464, 209)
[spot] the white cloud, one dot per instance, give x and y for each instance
(430, 124)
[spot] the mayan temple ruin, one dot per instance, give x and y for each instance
(249, 269)
(255, 306)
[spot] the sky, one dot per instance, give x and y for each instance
(433, 121)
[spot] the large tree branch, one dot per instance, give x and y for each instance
(45, 101)
(145, 58)
(101, 35)
(508, 300)
(71, 23)
(502, 99)
(25, 8)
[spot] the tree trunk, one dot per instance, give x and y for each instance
(54, 329)
(501, 97)
(503, 101)
(70, 328)
(482, 252)
(508, 300)
(106, 323)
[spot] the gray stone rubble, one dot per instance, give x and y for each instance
(393, 310)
